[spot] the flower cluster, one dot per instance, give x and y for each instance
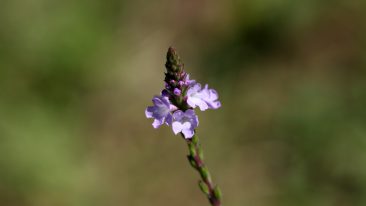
(174, 106)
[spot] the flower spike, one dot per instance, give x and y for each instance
(175, 107)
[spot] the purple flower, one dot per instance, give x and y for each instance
(211, 98)
(185, 122)
(203, 98)
(160, 111)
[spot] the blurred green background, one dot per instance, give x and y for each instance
(76, 76)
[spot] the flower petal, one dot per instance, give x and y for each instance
(157, 101)
(157, 123)
(191, 102)
(190, 112)
(213, 94)
(186, 125)
(165, 101)
(178, 115)
(149, 112)
(214, 105)
(202, 105)
(188, 133)
(177, 127)
(169, 119)
(194, 89)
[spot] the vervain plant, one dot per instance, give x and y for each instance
(175, 107)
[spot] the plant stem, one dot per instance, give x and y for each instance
(206, 185)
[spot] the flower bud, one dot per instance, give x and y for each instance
(191, 161)
(177, 91)
(203, 187)
(205, 174)
(217, 192)
(173, 62)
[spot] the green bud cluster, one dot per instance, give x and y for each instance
(173, 63)
(175, 78)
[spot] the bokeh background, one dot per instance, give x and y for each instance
(76, 76)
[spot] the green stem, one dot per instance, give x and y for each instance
(206, 185)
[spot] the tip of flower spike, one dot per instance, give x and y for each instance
(171, 50)
(171, 54)
(173, 63)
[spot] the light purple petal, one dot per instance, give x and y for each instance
(213, 94)
(157, 123)
(169, 119)
(178, 115)
(172, 107)
(195, 101)
(148, 112)
(177, 127)
(191, 102)
(165, 101)
(157, 100)
(194, 89)
(190, 112)
(188, 133)
(202, 105)
(195, 121)
(212, 101)
(186, 125)
(214, 105)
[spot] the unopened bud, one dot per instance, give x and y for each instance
(177, 91)
(191, 161)
(203, 187)
(205, 174)
(217, 192)
(173, 62)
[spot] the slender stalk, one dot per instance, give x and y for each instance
(206, 185)
(177, 84)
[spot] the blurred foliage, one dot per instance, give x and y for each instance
(75, 77)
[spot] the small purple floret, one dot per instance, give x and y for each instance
(185, 122)
(203, 98)
(160, 111)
